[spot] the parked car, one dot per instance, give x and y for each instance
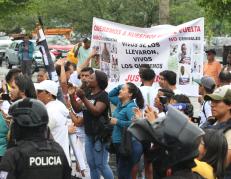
(5, 42)
(58, 45)
(12, 56)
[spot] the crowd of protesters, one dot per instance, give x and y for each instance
(74, 121)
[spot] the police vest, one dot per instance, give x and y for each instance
(41, 160)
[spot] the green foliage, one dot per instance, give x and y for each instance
(142, 13)
(218, 16)
(184, 10)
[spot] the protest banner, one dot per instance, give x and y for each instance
(122, 49)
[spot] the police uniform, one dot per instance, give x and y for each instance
(34, 158)
(175, 143)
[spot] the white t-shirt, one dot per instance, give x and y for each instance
(177, 91)
(149, 93)
(205, 112)
(4, 106)
(58, 124)
(80, 132)
(74, 79)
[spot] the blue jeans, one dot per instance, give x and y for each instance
(97, 158)
(125, 164)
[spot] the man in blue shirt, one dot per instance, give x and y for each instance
(25, 55)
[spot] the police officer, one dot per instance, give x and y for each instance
(34, 156)
(175, 141)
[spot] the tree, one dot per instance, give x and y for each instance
(218, 15)
(184, 10)
(78, 14)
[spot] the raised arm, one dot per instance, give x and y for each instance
(113, 95)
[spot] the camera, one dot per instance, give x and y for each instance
(163, 100)
(5, 96)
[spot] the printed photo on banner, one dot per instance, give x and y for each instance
(173, 59)
(123, 48)
(184, 74)
(115, 77)
(184, 54)
(197, 67)
(105, 52)
(114, 62)
(95, 62)
(197, 48)
(114, 48)
(105, 67)
(197, 64)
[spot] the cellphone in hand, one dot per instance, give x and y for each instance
(5, 96)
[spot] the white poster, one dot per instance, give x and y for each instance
(122, 49)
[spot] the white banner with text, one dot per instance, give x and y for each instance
(122, 49)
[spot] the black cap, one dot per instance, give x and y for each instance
(211, 51)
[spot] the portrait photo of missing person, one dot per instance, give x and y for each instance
(184, 77)
(184, 57)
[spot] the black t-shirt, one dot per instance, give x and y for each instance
(88, 117)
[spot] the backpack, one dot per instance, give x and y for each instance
(102, 129)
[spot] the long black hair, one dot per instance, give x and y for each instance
(26, 85)
(136, 94)
(216, 147)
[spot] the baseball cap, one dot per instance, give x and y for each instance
(206, 81)
(86, 40)
(47, 85)
(211, 50)
(220, 94)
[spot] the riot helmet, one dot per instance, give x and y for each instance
(29, 113)
(177, 138)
